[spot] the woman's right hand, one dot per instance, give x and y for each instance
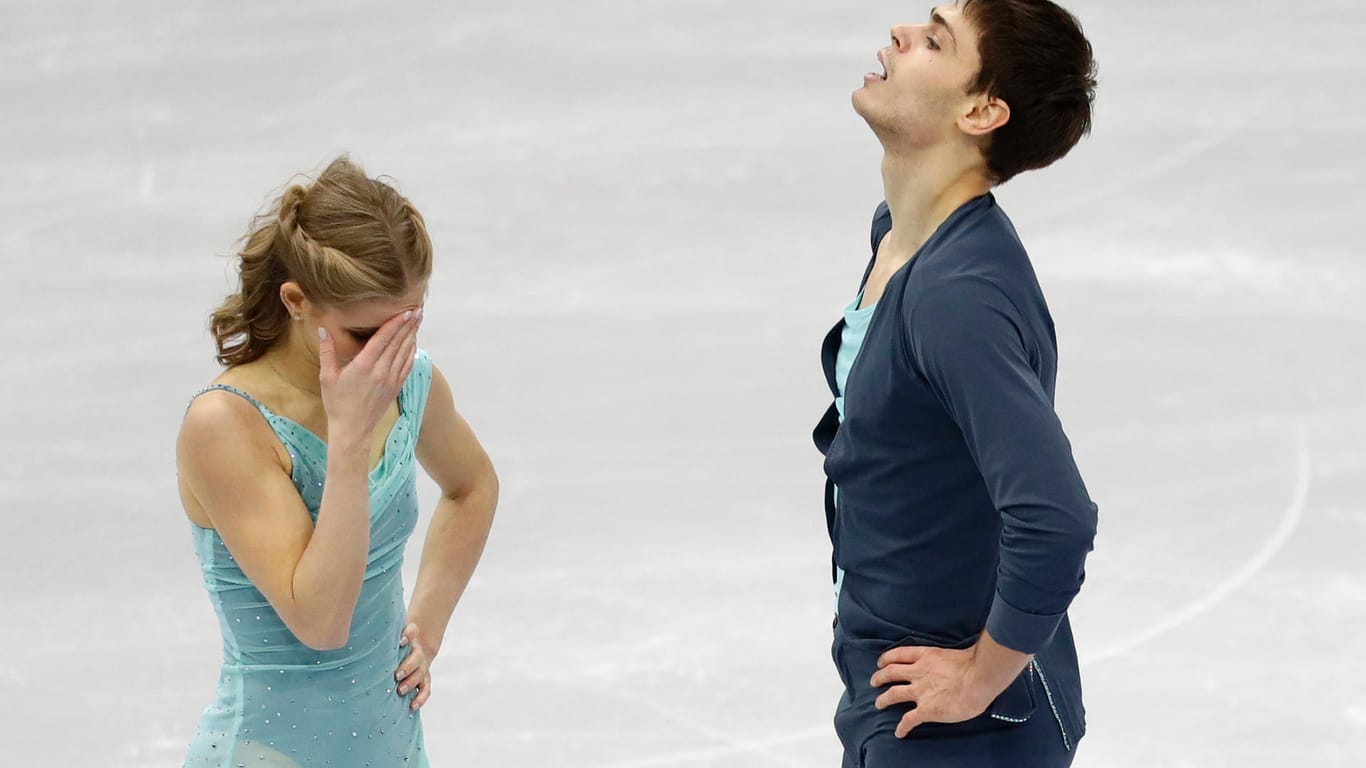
(356, 396)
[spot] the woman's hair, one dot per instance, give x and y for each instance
(344, 238)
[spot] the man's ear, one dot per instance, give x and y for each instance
(988, 113)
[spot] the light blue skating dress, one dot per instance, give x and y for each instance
(282, 704)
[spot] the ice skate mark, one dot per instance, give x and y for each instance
(375, 72)
(662, 567)
(1149, 170)
(1290, 519)
(758, 748)
(733, 748)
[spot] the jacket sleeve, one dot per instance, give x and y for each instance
(969, 342)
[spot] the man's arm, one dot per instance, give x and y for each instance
(969, 341)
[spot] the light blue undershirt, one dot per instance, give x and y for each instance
(851, 341)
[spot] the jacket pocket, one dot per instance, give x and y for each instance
(1015, 705)
(1018, 701)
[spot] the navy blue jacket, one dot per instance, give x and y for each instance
(960, 505)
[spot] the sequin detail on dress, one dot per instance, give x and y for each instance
(281, 704)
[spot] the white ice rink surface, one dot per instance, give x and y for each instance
(646, 216)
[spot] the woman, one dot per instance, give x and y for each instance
(296, 470)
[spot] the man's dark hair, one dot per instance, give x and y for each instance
(1035, 59)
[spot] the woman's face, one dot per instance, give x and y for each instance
(352, 325)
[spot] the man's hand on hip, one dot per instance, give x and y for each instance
(946, 685)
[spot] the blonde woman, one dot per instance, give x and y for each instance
(297, 470)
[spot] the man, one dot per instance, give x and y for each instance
(959, 522)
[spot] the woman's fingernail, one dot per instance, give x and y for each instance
(402, 641)
(408, 315)
(402, 690)
(419, 312)
(322, 333)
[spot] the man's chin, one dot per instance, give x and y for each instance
(865, 109)
(860, 98)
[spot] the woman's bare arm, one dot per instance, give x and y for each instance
(311, 575)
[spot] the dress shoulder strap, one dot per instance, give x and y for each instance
(235, 391)
(417, 386)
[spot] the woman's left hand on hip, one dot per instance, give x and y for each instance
(415, 671)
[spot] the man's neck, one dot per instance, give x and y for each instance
(922, 192)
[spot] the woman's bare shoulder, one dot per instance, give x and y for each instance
(228, 424)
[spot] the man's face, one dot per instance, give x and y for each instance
(922, 90)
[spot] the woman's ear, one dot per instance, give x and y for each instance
(292, 296)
